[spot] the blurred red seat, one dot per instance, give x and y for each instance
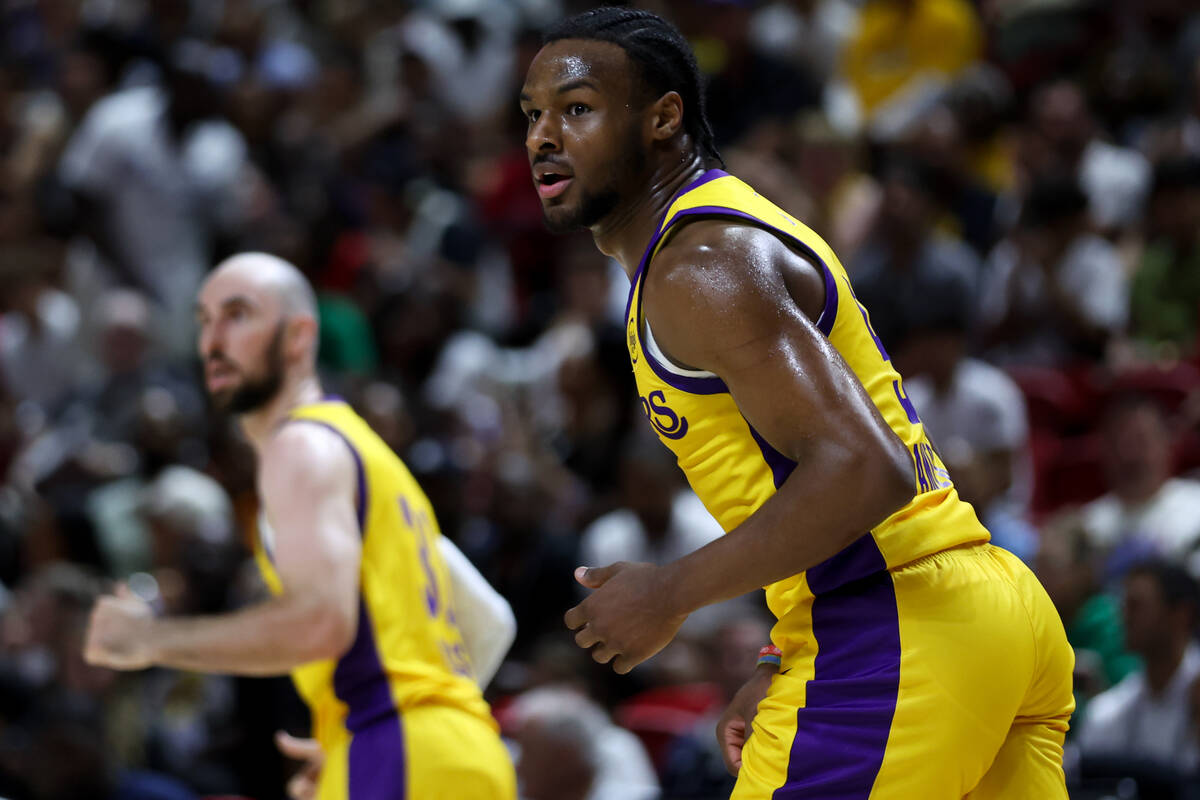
(1056, 400)
(657, 716)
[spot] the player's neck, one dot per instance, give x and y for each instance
(259, 424)
(624, 234)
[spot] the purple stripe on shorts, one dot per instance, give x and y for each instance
(856, 561)
(842, 730)
(376, 762)
(376, 759)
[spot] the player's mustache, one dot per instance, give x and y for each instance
(548, 158)
(218, 359)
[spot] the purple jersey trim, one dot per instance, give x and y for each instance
(781, 466)
(828, 314)
(361, 499)
(842, 729)
(714, 384)
(711, 175)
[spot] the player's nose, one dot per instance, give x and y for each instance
(543, 136)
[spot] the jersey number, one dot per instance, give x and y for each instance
(453, 651)
(905, 403)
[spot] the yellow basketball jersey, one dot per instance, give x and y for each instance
(408, 651)
(732, 468)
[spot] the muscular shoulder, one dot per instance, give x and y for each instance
(726, 281)
(716, 260)
(303, 458)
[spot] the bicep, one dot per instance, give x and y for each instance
(309, 493)
(752, 325)
(797, 391)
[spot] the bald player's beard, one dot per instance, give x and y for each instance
(259, 390)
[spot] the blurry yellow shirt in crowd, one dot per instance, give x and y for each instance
(898, 40)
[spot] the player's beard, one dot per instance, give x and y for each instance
(256, 390)
(597, 204)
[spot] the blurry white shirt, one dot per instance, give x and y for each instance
(1129, 721)
(625, 771)
(620, 536)
(1169, 521)
(160, 197)
(982, 406)
(982, 411)
(1090, 272)
(44, 365)
(1116, 181)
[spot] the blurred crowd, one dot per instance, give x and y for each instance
(1013, 185)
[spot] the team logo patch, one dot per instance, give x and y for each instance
(631, 331)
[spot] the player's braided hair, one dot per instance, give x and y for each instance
(662, 55)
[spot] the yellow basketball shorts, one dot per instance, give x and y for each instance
(943, 679)
(425, 753)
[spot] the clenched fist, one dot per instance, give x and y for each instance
(119, 632)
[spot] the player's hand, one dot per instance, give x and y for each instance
(628, 618)
(119, 632)
(303, 785)
(733, 729)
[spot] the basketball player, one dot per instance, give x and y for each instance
(362, 613)
(913, 658)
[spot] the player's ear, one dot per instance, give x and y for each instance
(667, 118)
(302, 335)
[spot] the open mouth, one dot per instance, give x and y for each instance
(552, 184)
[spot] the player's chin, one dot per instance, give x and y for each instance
(222, 399)
(561, 218)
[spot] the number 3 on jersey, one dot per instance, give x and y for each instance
(435, 596)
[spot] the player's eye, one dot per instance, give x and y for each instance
(576, 109)
(532, 115)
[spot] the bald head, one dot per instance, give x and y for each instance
(272, 277)
(258, 329)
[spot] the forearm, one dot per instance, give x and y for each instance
(804, 523)
(271, 638)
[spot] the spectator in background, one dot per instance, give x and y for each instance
(1165, 296)
(1066, 566)
(728, 53)
(693, 768)
(808, 33)
(1148, 722)
(902, 55)
(975, 414)
(1054, 292)
(981, 101)
(571, 750)
(659, 520)
(41, 356)
(158, 175)
(905, 263)
(1146, 509)
(1063, 138)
